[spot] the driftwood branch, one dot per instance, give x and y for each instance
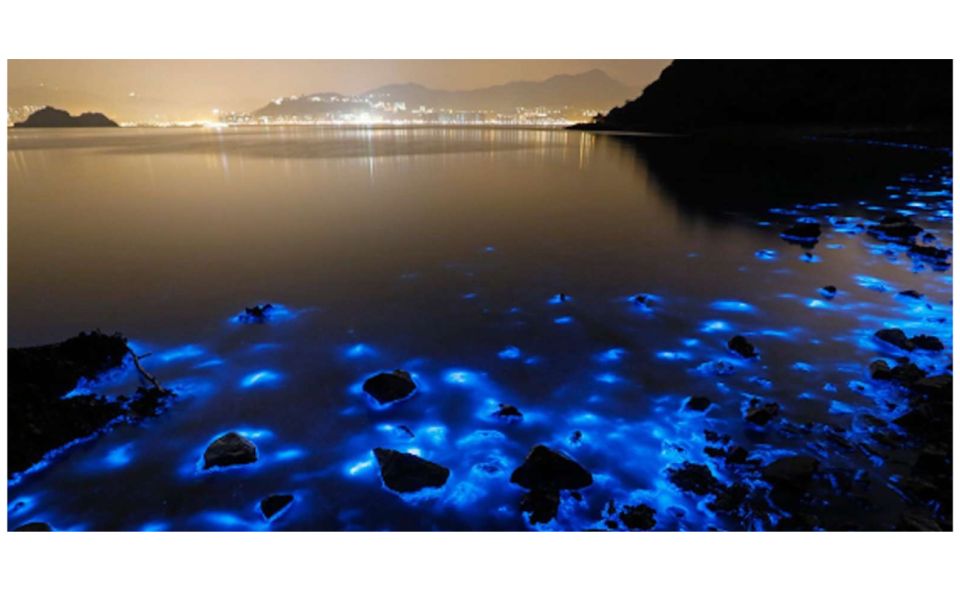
(143, 372)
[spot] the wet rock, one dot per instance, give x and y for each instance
(931, 253)
(938, 387)
(227, 450)
(406, 473)
(390, 387)
(911, 293)
(272, 505)
(257, 313)
(35, 526)
(642, 299)
(638, 517)
(828, 291)
(737, 455)
(576, 437)
(149, 402)
(926, 343)
(698, 403)
(895, 337)
(895, 227)
(793, 473)
(39, 419)
(760, 413)
(541, 505)
(802, 232)
(742, 347)
(905, 372)
(508, 413)
(729, 499)
(695, 478)
(547, 469)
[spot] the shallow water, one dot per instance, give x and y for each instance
(442, 251)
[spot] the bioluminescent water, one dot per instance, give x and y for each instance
(445, 253)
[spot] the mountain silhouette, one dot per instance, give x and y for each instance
(592, 90)
(698, 95)
(51, 117)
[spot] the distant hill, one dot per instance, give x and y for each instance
(698, 95)
(592, 90)
(51, 117)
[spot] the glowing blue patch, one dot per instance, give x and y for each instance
(612, 355)
(359, 350)
(732, 306)
(360, 467)
(871, 283)
(509, 353)
(469, 296)
(563, 320)
(690, 342)
(673, 355)
(715, 326)
(817, 304)
(460, 377)
(286, 455)
(766, 255)
(840, 408)
(608, 378)
(180, 353)
(803, 367)
(209, 363)
(155, 526)
(119, 456)
(264, 377)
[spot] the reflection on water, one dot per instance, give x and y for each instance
(442, 252)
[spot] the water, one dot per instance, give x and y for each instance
(442, 251)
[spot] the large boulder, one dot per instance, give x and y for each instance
(545, 469)
(406, 473)
(894, 337)
(388, 387)
(227, 450)
(695, 478)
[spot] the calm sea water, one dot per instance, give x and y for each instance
(441, 251)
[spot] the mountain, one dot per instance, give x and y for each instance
(590, 91)
(51, 117)
(697, 95)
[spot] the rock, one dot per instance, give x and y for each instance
(737, 455)
(576, 437)
(895, 337)
(926, 343)
(642, 299)
(638, 517)
(695, 478)
(149, 402)
(542, 505)
(406, 473)
(803, 232)
(227, 450)
(35, 526)
(932, 253)
(272, 505)
(793, 473)
(390, 387)
(911, 293)
(905, 372)
(742, 347)
(729, 498)
(51, 117)
(257, 314)
(828, 291)
(939, 386)
(546, 469)
(508, 413)
(698, 403)
(39, 418)
(761, 413)
(895, 227)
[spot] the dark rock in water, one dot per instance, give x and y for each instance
(761, 413)
(642, 299)
(802, 232)
(794, 473)
(905, 372)
(638, 517)
(227, 450)
(272, 505)
(911, 293)
(406, 431)
(35, 526)
(698, 403)
(742, 347)
(895, 337)
(545, 469)
(828, 291)
(895, 227)
(729, 499)
(542, 505)
(406, 473)
(149, 402)
(576, 437)
(508, 413)
(40, 420)
(257, 314)
(390, 387)
(926, 343)
(737, 455)
(932, 253)
(51, 117)
(939, 386)
(695, 478)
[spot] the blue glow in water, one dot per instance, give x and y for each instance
(460, 377)
(154, 526)
(359, 350)
(817, 304)
(608, 378)
(469, 296)
(732, 306)
(192, 387)
(181, 353)
(261, 347)
(690, 342)
(612, 355)
(262, 378)
(766, 254)
(563, 320)
(510, 352)
(715, 326)
(802, 367)
(286, 455)
(361, 466)
(215, 362)
(674, 355)
(119, 456)
(872, 283)
(559, 299)
(835, 246)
